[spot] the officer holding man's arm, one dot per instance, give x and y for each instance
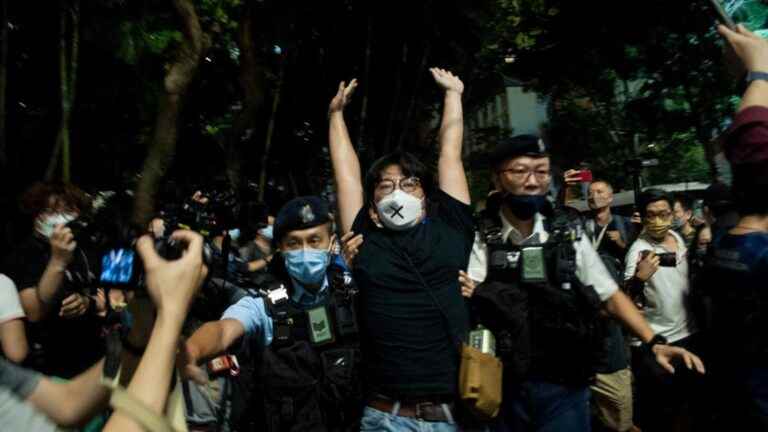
(303, 329)
(543, 288)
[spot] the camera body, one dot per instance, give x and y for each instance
(667, 259)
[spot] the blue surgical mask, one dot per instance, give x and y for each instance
(266, 232)
(307, 266)
(234, 234)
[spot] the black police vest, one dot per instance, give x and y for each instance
(554, 331)
(308, 378)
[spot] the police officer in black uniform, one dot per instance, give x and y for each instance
(543, 288)
(300, 328)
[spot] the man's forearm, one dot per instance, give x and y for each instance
(452, 126)
(621, 307)
(74, 402)
(207, 342)
(346, 170)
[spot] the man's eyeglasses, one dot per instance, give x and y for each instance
(407, 184)
(664, 215)
(521, 174)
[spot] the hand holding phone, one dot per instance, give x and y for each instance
(722, 15)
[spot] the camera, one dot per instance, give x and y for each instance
(667, 259)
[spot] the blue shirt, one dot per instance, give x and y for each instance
(252, 313)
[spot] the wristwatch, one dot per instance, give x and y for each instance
(756, 76)
(656, 340)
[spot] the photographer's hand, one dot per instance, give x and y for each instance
(37, 300)
(63, 245)
(647, 267)
(74, 305)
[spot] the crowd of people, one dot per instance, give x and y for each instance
(313, 318)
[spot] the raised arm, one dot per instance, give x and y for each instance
(753, 52)
(450, 167)
(171, 286)
(37, 300)
(346, 166)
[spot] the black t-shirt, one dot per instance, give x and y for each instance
(60, 347)
(407, 347)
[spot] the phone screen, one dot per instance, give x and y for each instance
(117, 267)
(723, 16)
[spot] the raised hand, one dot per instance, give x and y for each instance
(343, 96)
(751, 48)
(172, 285)
(447, 81)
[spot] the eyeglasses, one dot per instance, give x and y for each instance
(407, 184)
(660, 215)
(521, 174)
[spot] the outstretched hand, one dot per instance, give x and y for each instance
(665, 354)
(343, 96)
(447, 81)
(172, 285)
(749, 47)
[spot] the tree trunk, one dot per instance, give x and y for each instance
(412, 103)
(69, 45)
(270, 130)
(176, 82)
(252, 82)
(366, 86)
(396, 98)
(3, 79)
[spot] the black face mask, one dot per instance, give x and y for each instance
(525, 207)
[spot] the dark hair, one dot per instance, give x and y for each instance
(37, 197)
(651, 196)
(685, 201)
(750, 182)
(410, 165)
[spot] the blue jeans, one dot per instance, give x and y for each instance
(379, 421)
(544, 407)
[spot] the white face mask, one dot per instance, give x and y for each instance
(45, 225)
(399, 210)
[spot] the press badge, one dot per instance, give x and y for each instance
(320, 330)
(534, 270)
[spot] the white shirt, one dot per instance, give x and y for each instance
(589, 267)
(665, 291)
(10, 305)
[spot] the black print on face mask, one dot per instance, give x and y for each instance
(396, 211)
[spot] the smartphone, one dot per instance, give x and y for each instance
(119, 268)
(585, 176)
(722, 15)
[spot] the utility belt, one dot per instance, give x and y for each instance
(426, 409)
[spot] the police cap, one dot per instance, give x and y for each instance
(301, 213)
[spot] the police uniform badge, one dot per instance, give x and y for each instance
(306, 214)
